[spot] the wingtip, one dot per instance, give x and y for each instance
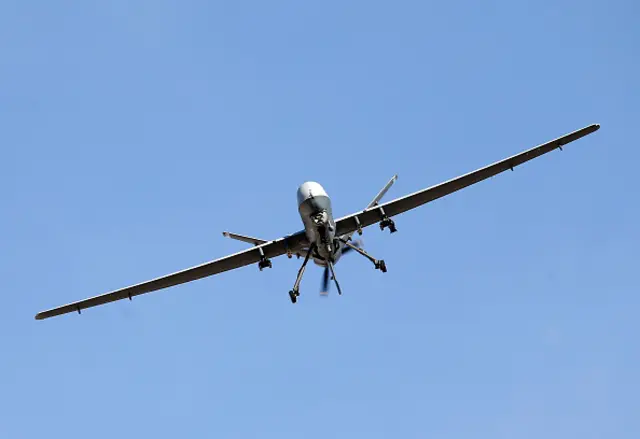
(39, 316)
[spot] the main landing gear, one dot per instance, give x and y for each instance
(295, 292)
(379, 264)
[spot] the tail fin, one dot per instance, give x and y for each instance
(384, 190)
(243, 238)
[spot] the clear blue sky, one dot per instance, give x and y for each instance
(134, 132)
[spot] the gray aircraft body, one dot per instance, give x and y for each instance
(324, 239)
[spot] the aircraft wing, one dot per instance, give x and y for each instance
(270, 249)
(374, 214)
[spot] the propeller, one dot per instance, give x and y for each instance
(324, 290)
(326, 275)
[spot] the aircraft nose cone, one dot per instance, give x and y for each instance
(308, 190)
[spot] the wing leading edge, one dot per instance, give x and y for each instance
(375, 213)
(270, 249)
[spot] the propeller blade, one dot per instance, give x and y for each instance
(324, 290)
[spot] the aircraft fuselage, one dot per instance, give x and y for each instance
(314, 206)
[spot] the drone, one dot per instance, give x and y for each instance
(324, 239)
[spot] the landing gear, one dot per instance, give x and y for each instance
(379, 264)
(333, 276)
(264, 261)
(295, 292)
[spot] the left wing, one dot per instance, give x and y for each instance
(376, 213)
(270, 249)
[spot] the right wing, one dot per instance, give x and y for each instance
(270, 249)
(374, 214)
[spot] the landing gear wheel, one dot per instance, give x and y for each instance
(380, 265)
(293, 295)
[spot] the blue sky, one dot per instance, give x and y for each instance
(135, 132)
